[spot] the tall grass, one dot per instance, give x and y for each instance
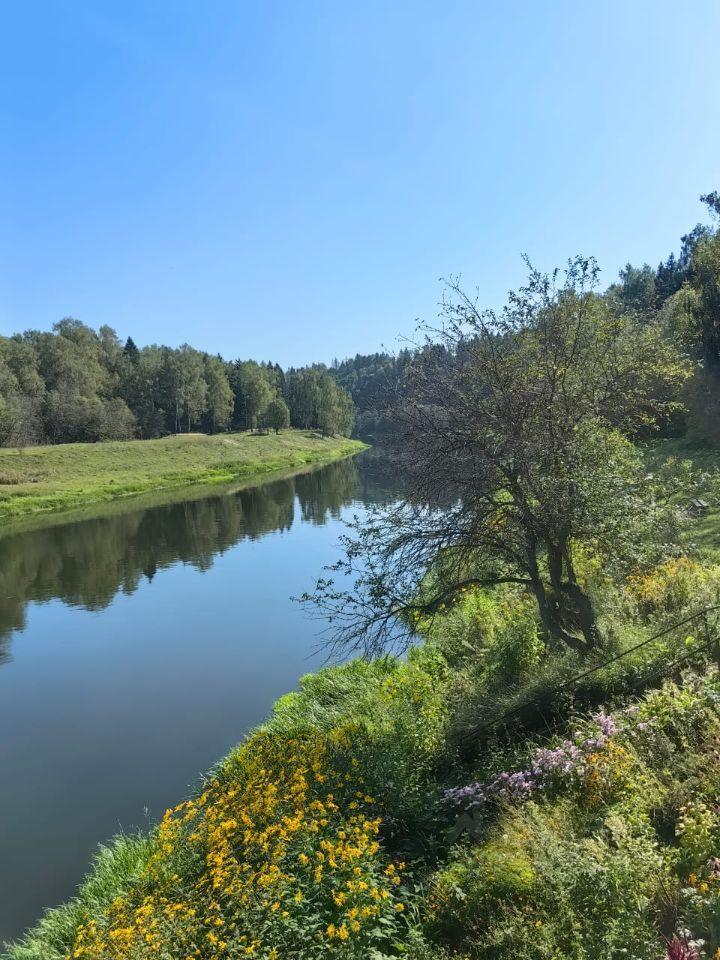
(116, 867)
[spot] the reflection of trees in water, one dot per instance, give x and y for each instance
(370, 478)
(325, 492)
(86, 563)
(381, 477)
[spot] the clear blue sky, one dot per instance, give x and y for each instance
(288, 181)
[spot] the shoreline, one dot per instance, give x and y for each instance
(161, 497)
(114, 478)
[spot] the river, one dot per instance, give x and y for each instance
(137, 646)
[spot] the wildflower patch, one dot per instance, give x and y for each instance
(279, 855)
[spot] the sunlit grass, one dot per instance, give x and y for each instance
(51, 478)
(701, 534)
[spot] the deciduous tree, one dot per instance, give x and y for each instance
(515, 439)
(277, 415)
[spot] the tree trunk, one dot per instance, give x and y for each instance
(551, 616)
(566, 611)
(575, 609)
(583, 612)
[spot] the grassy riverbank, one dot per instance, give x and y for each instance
(67, 476)
(327, 834)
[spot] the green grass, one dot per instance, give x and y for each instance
(48, 479)
(701, 453)
(116, 866)
(701, 535)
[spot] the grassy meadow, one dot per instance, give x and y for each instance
(45, 479)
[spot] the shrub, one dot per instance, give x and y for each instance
(669, 588)
(701, 907)
(466, 894)
(494, 634)
(698, 833)
(591, 758)
(400, 712)
(685, 715)
(538, 890)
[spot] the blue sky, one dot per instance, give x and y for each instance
(289, 181)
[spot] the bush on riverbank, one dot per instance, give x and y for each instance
(278, 855)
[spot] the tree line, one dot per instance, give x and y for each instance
(77, 384)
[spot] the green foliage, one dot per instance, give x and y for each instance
(492, 634)
(277, 415)
(402, 711)
(636, 290)
(376, 383)
(539, 889)
(77, 384)
(220, 399)
(334, 409)
(698, 833)
(332, 697)
(673, 588)
(693, 312)
(253, 393)
(591, 871)
(316, 400)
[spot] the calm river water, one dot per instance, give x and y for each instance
(136, 647)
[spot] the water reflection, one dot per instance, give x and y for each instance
(85, 564)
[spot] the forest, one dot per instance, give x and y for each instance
(80, 385)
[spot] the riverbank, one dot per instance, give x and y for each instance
(371, 816)
(49, 479)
